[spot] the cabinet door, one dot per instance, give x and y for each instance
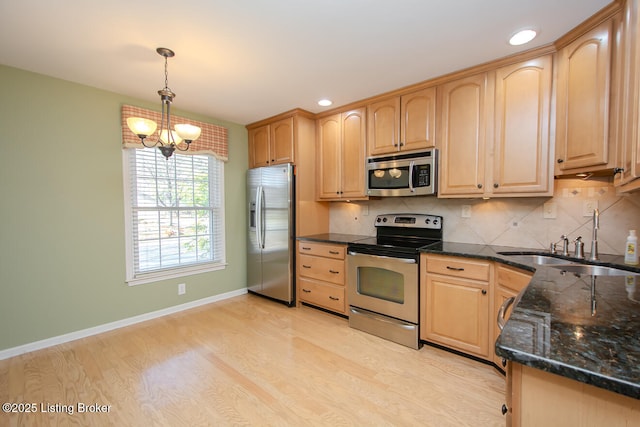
(384, 126)
(628, 64)
(353, 154)
(456, 314)
(282, 142)
(461, 135)
(509, 282)
(583, 100)
(522, 113)
(259, 139)
(418, 112)
(328, 160)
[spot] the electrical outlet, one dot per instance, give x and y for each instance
(550, 210)
(465, 211)
(588, 206)
(182, 288)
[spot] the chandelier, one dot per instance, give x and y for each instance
(167, 140)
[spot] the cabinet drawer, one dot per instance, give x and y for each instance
(321, 249)
(458, 267)
(323, 295)
(326, 269)
(512, 278)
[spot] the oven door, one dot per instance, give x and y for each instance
(384, 285)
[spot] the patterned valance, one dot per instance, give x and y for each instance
(213, 139)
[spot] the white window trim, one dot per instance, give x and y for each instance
(171, 273)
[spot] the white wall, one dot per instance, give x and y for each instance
(510, 221)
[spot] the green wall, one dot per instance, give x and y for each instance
(62, 242)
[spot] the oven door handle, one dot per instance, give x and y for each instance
(384, 319)
(405, 260)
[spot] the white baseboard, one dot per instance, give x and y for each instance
(60, 339)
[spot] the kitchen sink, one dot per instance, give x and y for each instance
(595, 270)
(539, 259)
(570, 266)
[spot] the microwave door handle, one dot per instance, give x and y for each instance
(411, 165)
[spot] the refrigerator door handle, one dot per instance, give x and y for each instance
(262, 219)
(259, 216)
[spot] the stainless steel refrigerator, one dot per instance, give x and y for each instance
(271, 234)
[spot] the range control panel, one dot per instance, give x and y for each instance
(409, 221)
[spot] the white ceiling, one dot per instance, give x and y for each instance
(245, 60)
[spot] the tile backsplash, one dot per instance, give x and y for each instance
(517, 222)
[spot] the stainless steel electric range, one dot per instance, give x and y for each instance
(383, 276)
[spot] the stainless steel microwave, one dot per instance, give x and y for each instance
(410, 174)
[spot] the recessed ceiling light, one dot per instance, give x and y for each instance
(522, 37)
(325, 102)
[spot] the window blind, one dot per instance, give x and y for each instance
(176, 211)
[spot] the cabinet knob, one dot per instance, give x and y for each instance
(484, 292)
(479, 185)
(560, 160)
(496, 185)
(504, 409)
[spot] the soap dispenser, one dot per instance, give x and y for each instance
(631, 249)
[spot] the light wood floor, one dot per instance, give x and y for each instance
(249, 361)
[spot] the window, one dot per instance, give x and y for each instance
(174, 215)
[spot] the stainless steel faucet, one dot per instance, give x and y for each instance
(565, 245)
(579, 251)
(594, 237)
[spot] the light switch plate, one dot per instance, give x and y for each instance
(465, 212)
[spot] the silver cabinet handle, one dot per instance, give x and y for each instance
(502, 312)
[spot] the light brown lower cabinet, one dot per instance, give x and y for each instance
(455, 303)
(537, 398)
(460, 299)
(321, 275)
(509, 282)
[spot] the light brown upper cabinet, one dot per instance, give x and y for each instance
(583, 101)
(461, 136)
(493, 132)
(629, 101)
(341, 145)
(402, 123)
(272, 144)
(521, 158)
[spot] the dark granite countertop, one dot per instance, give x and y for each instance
(552, 326)
(333, 238)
